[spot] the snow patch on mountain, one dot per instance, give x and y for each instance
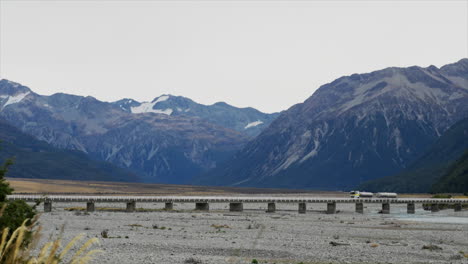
(147, 107)
(162, 98)
(15, 98)
(253, 124)
(144, 107)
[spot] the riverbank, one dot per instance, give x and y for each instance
(220, 236)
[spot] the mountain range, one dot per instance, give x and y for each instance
(33, 158)
(154, 140)
(248, 121)
(354, 129)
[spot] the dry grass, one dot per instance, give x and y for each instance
(119, 188)
(26, 186)
(16, 250)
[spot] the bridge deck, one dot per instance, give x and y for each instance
(228, 199)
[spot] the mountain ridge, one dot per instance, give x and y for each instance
(351, 130)
(157, 146)
(37, 159)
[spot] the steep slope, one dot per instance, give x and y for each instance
(160, 147)
(357, 128)
(247, 121)
(37, 159)
(456, 178)
(427, 169)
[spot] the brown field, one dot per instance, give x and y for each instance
(43, 186)
(121, 188)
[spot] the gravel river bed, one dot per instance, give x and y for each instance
(219, 236)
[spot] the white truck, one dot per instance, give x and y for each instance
(359, 194)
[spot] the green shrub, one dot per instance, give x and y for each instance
(254, 261)
(15, 213)
(5, 188)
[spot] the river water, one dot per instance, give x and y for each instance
(447, 216)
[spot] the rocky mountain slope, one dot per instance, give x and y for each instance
(37, 159)
(421, 174)
(357, 128)
(160, 145)
(247, 121)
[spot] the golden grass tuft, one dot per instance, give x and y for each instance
(15, 250)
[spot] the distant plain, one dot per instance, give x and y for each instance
(124, 188)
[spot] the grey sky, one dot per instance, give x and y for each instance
(265, 54)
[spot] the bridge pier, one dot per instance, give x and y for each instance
(168, 206)
(458, 207)
(202, 206)
(331, 208)
(271, 208)
(236, 207)
(90, 207)
(360, 208)
(302, 208)
(385, 208)
(131, 206)
(410, 208)
(47, 206)
(435, 207)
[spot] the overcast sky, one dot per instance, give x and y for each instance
(265, 54)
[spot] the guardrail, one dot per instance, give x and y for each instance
(220, 199)
(236, 202)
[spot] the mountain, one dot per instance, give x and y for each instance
(421, 174)
(354, 129)
(247, 121)
(37, 159)
(456, 178)
(161, 146)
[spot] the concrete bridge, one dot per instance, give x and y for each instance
(236, 203)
